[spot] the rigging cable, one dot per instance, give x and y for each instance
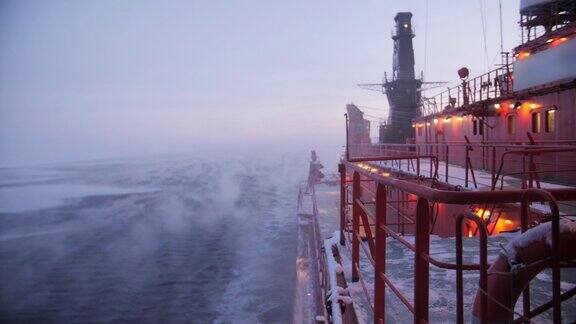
(501, 37)
(483, 20)
(425, 43)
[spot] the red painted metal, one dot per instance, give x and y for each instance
(524, 153)
(459, 267)
(421, 266)
(424, 195)
(398, 293)
(380, 255)
(342, 170)
(355, 225)
(472, 92)
(542, 195)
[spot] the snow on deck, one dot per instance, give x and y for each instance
(400, 269)
(457, 175)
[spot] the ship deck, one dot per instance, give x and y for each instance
(455, 175)
(400, 269)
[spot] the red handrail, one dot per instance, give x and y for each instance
(424, 195)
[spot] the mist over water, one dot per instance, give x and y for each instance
(178, 239)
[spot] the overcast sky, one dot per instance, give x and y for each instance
(97, 79)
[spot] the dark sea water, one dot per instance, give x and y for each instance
(174, 239)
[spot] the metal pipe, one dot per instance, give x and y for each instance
(342, 170)
(458, 197)
(380, 256)
(421, 266)
(365, 223)
(355, 224)
(446, 163)
(483, 267)
(398, 294)
(543, 195)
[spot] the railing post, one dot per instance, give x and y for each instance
(380, 256)
(342, 170)
(528, 196)
(459, 279)
(493, 166)
(355, 226)
(421, 266)
(483, 284)
(446, 161)
(430, 159)
(467, 159)
(524, 214)
(418, 161)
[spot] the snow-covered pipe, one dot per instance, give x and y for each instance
(523, 258)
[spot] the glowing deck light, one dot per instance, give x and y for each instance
(507, 221)
(413, 125)
(447, 119)
(482, 213)
(469, 233)
(550, 40)
(533, 106)
(386, 174)
(460, 118)
(428, 124)
(496, 106)
(421, 124)
(563, 39)
(435, 120)
(511, 105)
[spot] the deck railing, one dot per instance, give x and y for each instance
(494, 84)
(480, 165)
(376, 229)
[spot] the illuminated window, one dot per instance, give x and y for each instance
(510, 124)
(535, 122)
(549, 126)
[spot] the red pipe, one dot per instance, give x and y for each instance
(342, 170)
(542, 195)
(355, 225)
(380, 256)
(483, 268)
(421, 266)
